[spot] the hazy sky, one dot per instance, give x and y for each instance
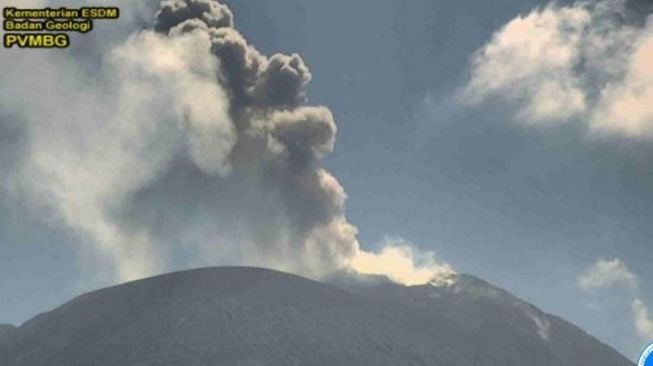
(530, 197)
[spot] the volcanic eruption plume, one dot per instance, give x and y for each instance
(193, 148)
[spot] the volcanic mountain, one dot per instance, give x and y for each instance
(235, 316)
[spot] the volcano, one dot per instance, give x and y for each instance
(251, 316)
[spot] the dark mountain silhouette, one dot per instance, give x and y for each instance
(247, 316)
(6, 331)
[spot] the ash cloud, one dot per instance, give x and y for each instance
(212, 13)
(191, 144)
(281, 139)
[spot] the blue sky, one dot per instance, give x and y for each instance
(528, 207)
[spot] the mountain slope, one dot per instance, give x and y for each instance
(493, 320)
(246, 316)
(6, 332)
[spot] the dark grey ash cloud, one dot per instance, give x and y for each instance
(276, 133)
(241, 62)
(173, 12)
(193, 148)
(283, 81)
(252, 78)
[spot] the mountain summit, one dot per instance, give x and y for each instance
(249, 316)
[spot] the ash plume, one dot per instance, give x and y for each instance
(194, 145)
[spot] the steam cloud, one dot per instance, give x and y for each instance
(192, 144)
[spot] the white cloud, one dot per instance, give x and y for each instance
(530, 62)
(565, 63)
(579, 63)
(608, 274)
(643, 321)
(626, 105)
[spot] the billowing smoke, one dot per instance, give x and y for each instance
(191, 148)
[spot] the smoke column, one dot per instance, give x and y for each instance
(192, 144)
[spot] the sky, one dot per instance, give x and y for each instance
(509, 139)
